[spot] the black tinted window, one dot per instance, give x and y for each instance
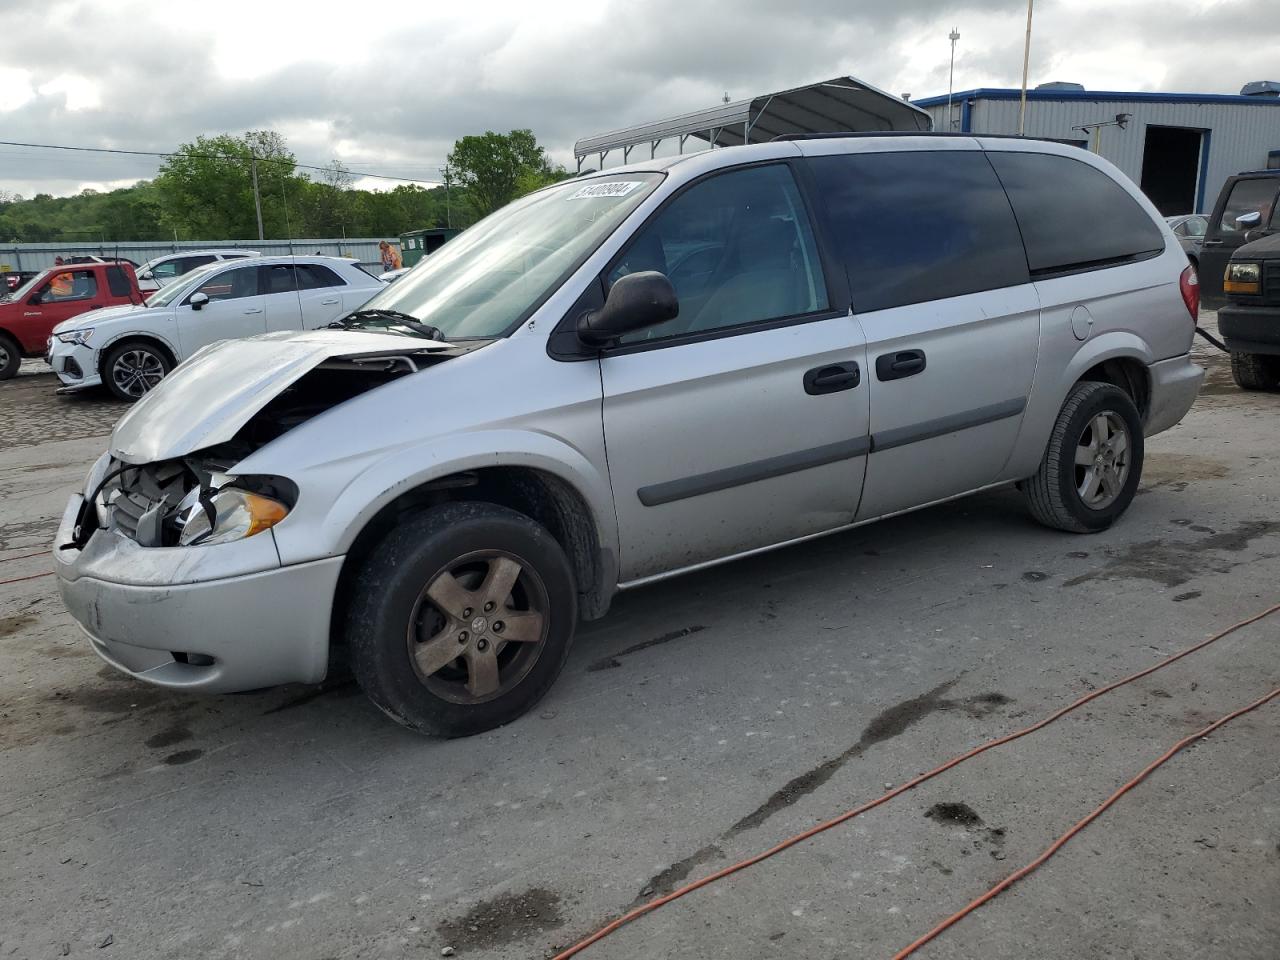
(279, 278)
(312, 276)
(117, 282)
(1249, 196)
(911, 227)
(1073, 215)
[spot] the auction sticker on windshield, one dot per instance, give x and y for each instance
(614, 188)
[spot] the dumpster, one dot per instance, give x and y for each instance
(416, 244)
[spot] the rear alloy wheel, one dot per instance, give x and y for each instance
(461, 618)
(1092, 464)
(133, 369)
(1255, 371)
(10, 357)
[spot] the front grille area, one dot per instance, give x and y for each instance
(141, 499)
(1271, 281)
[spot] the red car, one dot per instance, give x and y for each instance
(28, 316)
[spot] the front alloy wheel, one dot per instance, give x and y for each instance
(133, 369)
(461, 617)
(478, 627)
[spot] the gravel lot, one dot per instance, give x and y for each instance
(703, 720)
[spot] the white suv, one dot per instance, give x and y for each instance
(130, 348)
(162, 271)
(642, 372)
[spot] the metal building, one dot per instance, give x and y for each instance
(1179, 147)
(842, 103)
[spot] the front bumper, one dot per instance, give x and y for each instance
(1250, 329)
(148, 612)
(75, 364)
(1175, 383)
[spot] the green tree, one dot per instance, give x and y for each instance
(206, 190)
(495, 168)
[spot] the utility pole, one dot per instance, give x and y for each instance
(953, 36)
(257, 198)
(1026, 63)
(448, 208)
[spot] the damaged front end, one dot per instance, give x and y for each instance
(169, 479)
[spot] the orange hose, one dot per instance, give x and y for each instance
(34, 576)
(1057, 845)
(25, 556)
(733, 868)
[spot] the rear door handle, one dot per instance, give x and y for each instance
(832, 378)
(899, 364)
(330, 301)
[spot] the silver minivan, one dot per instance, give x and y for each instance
(619, 379)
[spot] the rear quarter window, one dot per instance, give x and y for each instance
(918, 226)
(117, 282)
(1072, 215)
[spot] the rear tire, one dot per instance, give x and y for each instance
(10, 357)
(132, 369)
(1255, 371)
(461, 618)
(1092, 464)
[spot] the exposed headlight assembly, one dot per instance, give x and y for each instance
(228, 515)
(1243, 278)
(78, 337)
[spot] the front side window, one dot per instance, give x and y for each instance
(738, 248)
(1072, 215)
(1249, 196)
(167, 270)
(67, 285)
(230, 285)
(494, 274)
(918, 226)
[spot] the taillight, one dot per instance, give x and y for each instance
(1189, 284)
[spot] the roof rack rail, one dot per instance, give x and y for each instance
(860, 134)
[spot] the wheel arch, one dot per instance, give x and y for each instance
(134, 337)
(543, 495)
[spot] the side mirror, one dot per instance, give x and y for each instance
(198, 300)
(1250, 219)
(145, 275)
(635, 301)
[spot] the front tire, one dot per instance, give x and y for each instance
(10, 357)
(461, 618)
(1092, 465)
(1255, 371)
(134, 368)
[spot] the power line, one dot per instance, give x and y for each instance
(214, 156)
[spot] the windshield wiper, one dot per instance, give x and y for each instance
(404, 319)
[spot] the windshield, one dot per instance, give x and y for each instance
(27, 287)
(489, 277)
(174, 291)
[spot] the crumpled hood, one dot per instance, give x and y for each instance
(205, 400)
(91, 318)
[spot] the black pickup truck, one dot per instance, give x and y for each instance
(1245, 212)
(1250, 321)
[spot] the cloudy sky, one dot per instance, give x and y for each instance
(389, 92)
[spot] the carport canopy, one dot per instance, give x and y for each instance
(831, 106)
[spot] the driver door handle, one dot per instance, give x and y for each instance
(254, 310)
(1211, 243)
(832, 378)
